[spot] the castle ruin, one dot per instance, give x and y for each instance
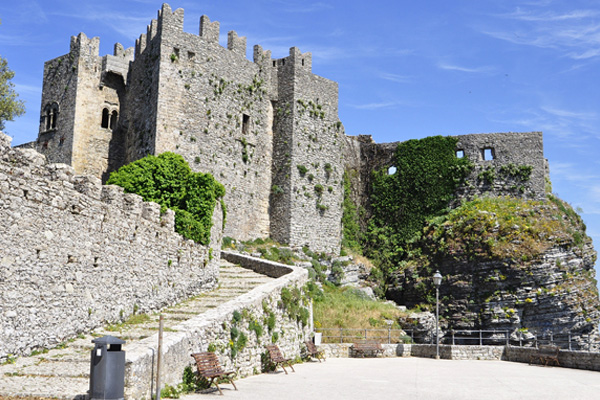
(268, 129)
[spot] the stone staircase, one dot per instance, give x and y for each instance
(63, 372)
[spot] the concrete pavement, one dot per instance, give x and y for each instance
(415, 378)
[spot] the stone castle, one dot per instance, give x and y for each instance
(268, 129)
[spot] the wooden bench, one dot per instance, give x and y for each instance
(209, 367)
(312, 351)
(277, 358)
(546, 353)
(361, 349)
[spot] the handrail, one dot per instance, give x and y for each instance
(481, 337)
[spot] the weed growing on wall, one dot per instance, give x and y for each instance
(168, 180)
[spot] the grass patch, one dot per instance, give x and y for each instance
(345, 307)
(134, 319)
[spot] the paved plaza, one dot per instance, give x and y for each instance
(415, 378)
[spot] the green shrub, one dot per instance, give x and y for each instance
(168, 180)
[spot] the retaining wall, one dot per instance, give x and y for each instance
(213, 329)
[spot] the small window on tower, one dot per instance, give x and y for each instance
(245, 124)
(105, 118)
(113, 119)
(460, 153)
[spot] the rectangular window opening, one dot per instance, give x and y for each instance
(460, 153)
(488, 154)
(245, 124)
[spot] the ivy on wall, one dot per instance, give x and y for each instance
(350, 226)
(167, 179)
(426, 178)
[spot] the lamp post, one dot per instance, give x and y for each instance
(437, 281)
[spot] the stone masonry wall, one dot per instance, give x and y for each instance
(75, 254)
(310, 172)
(498, 174)
(213, 328)
(566, 358)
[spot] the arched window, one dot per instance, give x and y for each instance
(113, 120)
(49, 117)
(105, 118)
(54, 115)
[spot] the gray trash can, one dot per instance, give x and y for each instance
(107, 369)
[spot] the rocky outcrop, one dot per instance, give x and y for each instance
(525, 267)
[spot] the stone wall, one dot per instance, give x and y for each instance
(76, 254)
(566, 358)
(213, 329)
(494, 155)
(496, 158)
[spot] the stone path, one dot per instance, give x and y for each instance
(64, 372)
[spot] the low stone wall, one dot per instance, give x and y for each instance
(214, 329)
(341, 350)
(75, 254)
(566, 358)
(265, 267)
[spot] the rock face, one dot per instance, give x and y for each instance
(539, 280)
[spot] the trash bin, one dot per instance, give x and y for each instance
(107, 369)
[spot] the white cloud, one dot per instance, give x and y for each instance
(396, 78)
(27, 89)
(574, 34)
(569, 114)
(375, 106)
(551, 16)
(452, 67)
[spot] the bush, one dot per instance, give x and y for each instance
(168, 180)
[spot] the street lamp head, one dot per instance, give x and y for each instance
(437, 278)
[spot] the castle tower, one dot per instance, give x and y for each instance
(210, 104)
(307, 194)
(81, 104)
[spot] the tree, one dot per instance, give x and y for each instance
(10, 105)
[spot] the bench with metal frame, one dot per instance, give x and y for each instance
(361, 349)
(278, 359)
(545, 354)
(208, 366)
(313, 351)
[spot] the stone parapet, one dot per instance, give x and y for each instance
(213, 329)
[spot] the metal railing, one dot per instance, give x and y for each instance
(346, 335)
(480, 337)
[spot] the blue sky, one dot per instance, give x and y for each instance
(406, 69)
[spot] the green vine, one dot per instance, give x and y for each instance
(428, 175)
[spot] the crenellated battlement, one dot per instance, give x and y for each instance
(209, 31)
(82, 46)
(297, 59)
(236, 43)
